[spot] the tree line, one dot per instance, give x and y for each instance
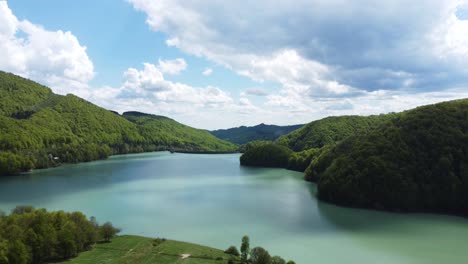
(29, 235)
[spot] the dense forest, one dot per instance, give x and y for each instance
(40, 129)
(31, 235)
(243, 134)
(416, 160)
(329, 130)
(299, 147)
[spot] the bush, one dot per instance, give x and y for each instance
(232, 250)
(259, 255)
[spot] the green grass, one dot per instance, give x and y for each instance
(135, 249)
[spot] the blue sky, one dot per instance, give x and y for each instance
(213, 64)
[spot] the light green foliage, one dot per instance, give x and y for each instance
(330, 130)
(31, 235)
(160, 131)
(39, 129)
(134, 249)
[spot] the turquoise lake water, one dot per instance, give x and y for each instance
(212, 200)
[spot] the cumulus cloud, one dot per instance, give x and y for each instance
(207, 72)
(148, 90)
(54, 58)
(255, 91)
(172, 66)
(326, 51)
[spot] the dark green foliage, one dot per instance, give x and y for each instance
(259, 255)
(329, 130)
(299, 161)
(243, 134)
(245, 249)
(277, 260)
(291, 262)
(268, 155)
(416, 161)
(253, 144)
(39, 129)
(31, 235)
(108, 231)
(232, 250)
(308, 140)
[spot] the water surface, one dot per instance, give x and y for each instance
(211, 200)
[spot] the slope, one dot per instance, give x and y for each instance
(39, 129)
(418, 161)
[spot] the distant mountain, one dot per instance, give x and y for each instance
(244, 134)
(40, 129)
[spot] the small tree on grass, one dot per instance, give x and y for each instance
(259, 255)
(245, 249)
(108, 231)
(232, 250)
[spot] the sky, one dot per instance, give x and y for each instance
(217, 64)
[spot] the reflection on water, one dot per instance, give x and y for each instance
(210, 199)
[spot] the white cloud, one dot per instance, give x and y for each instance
(172, 66)
(255, 91)
(207, 72)
(54, 58)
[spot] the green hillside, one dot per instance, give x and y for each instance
(163, 131)
(329, 130)
(307, 141)
(416, 161)
(243, 134)
(412, 161)
(39, 129)
(134, 249)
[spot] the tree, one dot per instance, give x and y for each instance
(277, 260)
(17, 252)
(291, 262)
(245, 249)
(232, 250)
(3, 252)
(108, 231)
(259, 255)
(22, 209)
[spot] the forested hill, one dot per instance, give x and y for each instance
(329, 130)
(244, 134)
(416, 161)
(40, 129)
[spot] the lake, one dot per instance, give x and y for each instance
(212, 200)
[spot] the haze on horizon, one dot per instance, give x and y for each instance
(212, 64)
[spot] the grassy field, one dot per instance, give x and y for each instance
(134, 249)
